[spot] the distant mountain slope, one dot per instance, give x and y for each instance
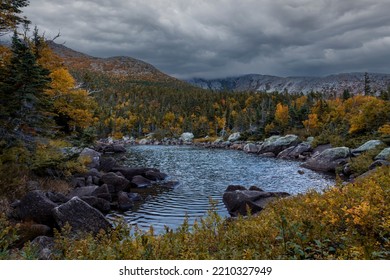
(354, 82)
(132, 69)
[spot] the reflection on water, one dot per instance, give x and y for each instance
(205, 174)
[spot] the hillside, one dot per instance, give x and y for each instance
(354, 82)
(120, 66)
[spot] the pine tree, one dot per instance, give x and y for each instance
(26, 105)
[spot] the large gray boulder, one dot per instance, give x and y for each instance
(234, 137)
(238, 200)
(384, 154)
(187, 137)
(328, 160)
(80, 216)
(276, 144)
(369, 145)
(35, 206)
(90, 156)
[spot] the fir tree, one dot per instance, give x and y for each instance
(26, 106)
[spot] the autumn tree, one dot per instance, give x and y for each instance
(281, 115)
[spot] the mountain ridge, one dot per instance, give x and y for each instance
(354, 82)
(123, 66)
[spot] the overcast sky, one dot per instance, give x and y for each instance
(217, 38)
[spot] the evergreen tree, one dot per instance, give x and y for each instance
(26, 106)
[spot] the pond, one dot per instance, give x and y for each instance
(204, 174)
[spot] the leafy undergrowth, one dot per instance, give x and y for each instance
(345, 222)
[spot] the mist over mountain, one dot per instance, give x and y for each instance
(354, 82)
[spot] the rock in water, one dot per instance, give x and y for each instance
(140, 182)
(80, 216)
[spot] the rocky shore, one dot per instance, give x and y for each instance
(107, 186)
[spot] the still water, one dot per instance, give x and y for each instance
(205, 173)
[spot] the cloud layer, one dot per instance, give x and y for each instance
(202, 38)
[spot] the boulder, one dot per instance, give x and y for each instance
(276, 144)
(238, 200)
(369, 145)
(384, 154)
(144, 141)
(285, 154)
(107, 164)
(295, 152)
(102, 192)
(234, 137)
(251, 148)
(90, 156)
(45, 246)
(155, 175)
(328, 160)
(140, 182)
(269, 155)
(125, 203)
(304, 147)
(56, 197)
(118, 148)
(98, 203)
(129, 173)
(115, 182)
(35, 206)
(80, 216)
(83, 191)
(187, 137)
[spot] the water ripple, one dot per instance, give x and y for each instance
(205, 174)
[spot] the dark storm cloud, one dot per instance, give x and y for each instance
(226, 37)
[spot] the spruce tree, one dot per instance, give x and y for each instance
(26, 105)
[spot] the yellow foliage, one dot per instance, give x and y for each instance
(384, 129)
(281, 115)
